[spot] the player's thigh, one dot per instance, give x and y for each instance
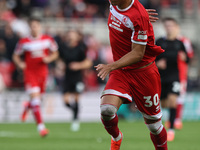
(35, 95)
(33, 89)
(66, 97)
(146, 93)
(175, 88)
(164, 103)
(117, 89)
(112, 100)
(172, 100)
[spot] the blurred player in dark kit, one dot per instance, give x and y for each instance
(168, 68)
(73, 54)
(38, 50)
(133, 74)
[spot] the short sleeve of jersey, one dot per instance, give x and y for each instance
(19, 50)
(140, 32)
(53, 45)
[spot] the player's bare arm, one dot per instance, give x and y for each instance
(85, 64)
(19, 62)
(52, 57)
(134, 56)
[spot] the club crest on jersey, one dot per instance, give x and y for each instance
(127, 22)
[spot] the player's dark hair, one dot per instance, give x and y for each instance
(34, 19)
(170, 19)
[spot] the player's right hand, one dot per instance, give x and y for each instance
(103, 70)
(22, 65)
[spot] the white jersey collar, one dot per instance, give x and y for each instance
(127, 8)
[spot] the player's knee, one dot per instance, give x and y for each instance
(155, 128)
(108, 111)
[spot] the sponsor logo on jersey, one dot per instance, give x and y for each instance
(115, 19)
(142, 35)
(116, 28)
(116, 24)
(127, 22)
(142, 32)
(37, 53)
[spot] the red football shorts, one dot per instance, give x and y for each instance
(141, 85)
(35, 83)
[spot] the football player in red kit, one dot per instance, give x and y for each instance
(133, 75)
(38, 51)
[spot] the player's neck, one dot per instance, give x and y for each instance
(171, 37)
(35, 36)
(73, 44)
(125, 4)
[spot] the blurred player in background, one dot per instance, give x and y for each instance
(38, 51)
(168, 68)
(133, 74)
(73, 53)
(183, 72)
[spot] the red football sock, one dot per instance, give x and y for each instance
(160, 140)
(37, 113)
(179, 111)
(112, 126)
(35, 106)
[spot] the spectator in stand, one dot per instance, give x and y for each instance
(11, 40)
(2, 50)
(23, 7)
(6, 67)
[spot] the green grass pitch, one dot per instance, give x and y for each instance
(92, 136)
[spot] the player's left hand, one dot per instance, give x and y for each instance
(152, 13)
(103, 70)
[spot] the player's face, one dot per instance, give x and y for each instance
(73, 37)
(35, 27)
(171, 27)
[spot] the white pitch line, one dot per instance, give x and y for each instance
(14, 134)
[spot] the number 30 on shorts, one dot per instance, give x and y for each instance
(150, 102)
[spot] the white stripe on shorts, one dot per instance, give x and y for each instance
(34, 89)
(117, 93)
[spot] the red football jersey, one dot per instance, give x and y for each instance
(34, 50)
(132, 25)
